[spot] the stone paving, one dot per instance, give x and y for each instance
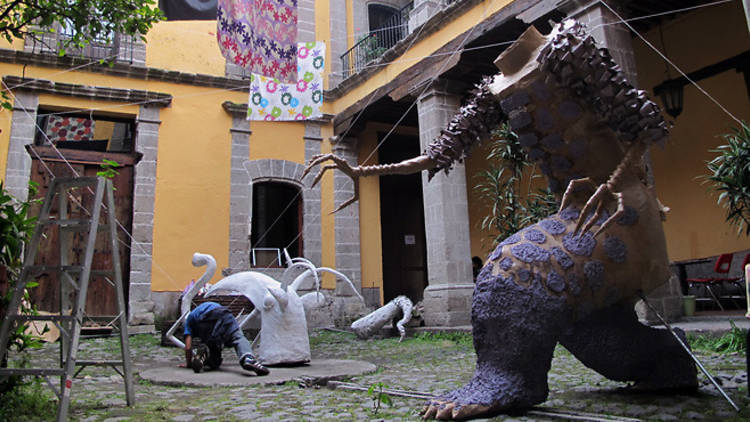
(428, 363)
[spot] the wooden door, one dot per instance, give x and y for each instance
(101, 298)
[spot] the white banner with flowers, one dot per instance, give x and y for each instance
(271, 99)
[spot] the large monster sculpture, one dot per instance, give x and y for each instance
(573, 277)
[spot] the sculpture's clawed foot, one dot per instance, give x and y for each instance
(573, 188)
(447, 410)
(597, 204)
(337, 163)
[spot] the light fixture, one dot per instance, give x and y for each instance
(671, 94)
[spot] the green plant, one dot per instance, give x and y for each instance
(730, 175)
(108, 169)
(457, 337)
(734, 341)
(16, 227)
(378, 396)
(27, 402)
(506, 188)
(371, 48)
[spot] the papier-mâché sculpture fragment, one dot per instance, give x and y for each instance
(573, 277)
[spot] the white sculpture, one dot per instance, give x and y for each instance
(283, 334)
(371, 323)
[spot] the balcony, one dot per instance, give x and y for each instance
(112, 48)
(377, 42)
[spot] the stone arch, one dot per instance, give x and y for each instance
(288, 172)
(275, 170)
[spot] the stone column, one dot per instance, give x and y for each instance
(447, 299)
(338, 44)
(22, 131)
(306, 20)
(140, 300)
(240, 192)
(607, 33)
(423, 10)
(312, 240)
(346, 221)
(616, 38)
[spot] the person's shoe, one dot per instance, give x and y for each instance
(199, 359)
(249, 363)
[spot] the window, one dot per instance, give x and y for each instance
(380, 16)
(276, 223)
(84, 132)
(176, 10)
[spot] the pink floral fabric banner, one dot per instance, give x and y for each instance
(61, 128)
(271, 99)
(259, 35)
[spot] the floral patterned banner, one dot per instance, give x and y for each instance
(260, 36)
(61, 128)
(271, 99)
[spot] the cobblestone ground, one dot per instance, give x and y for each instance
(426, 364)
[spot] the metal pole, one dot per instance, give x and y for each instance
(690, 352)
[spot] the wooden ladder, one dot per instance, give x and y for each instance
(73, 284)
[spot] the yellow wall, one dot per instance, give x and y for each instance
(185, 46)
(481, 240)
(278, 141)
(371, 246)
(192, 188)
(695, 227)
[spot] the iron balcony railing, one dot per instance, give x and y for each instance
(112, 47)
(376, 42)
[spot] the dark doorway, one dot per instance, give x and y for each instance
(276, 223)
(402, 223)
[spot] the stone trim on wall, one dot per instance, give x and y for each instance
(140, 300)
(85, 91)
(291, 172)
(346, 221)
(22, 131)
(18, 169)
(240, 194)
(313, 231)
(123, 70)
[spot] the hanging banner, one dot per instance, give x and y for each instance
(271, 99)
(260, 36)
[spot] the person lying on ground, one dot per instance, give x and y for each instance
(216, 327)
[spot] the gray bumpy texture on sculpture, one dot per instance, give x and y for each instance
(574, 277)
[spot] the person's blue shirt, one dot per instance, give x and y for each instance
(196, 313)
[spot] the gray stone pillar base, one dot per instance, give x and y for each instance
(141, 313)
(447, 305)
(667, 300)
(336, 311)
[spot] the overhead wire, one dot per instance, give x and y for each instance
(353, 122)
(369, 66)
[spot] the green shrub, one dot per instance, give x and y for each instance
(28, 402)
(505, 188)
(730, 175)
(734, 341)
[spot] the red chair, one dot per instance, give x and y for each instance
(722, 266)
